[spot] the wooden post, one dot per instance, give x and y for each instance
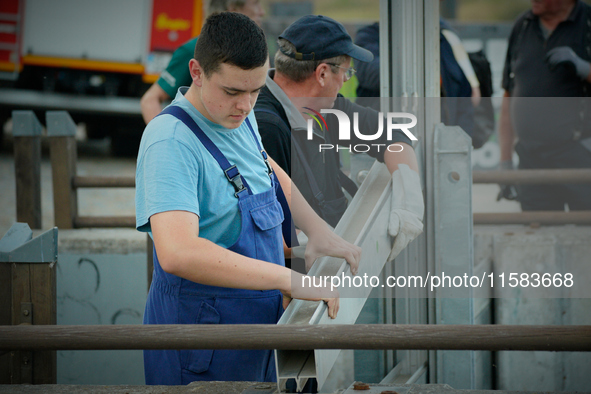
(27, 167)
(5, 317)
(28, 287)
(61, 130)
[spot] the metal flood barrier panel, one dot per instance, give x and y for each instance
(364, 224)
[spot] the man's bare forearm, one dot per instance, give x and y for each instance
(406, 156)
(183, 253)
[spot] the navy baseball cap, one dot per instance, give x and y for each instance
(318, 37)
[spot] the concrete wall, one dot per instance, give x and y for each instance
(101, 279)
(522, 249)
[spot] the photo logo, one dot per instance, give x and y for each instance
(315, 116)
(345, 129)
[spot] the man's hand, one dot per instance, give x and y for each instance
(407, 209)
(565, 55)
(324, 242)
(507, 192)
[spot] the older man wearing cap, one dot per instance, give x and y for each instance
(312, 63)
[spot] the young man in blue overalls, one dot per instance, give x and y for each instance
(207, 192)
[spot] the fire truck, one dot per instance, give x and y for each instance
(92, 58)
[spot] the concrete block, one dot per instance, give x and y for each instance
(546, 250)
(101, 279)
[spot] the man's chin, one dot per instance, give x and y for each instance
(233, 122)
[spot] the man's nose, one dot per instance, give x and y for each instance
(244, 103)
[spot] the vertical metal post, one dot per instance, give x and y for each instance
(27, 167)
(454, 247)
(409, 36)
(61, 130)
(28, 290)
(432, 118)
(409, 42)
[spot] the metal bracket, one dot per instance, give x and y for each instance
(26, 313)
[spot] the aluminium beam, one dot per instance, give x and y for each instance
(365, 223)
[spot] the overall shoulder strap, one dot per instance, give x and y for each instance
(288, 226)
(261, 149)
(231, 171)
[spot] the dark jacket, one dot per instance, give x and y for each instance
(325, 166)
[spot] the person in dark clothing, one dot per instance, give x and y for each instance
(546, 79)
(312, 63)
(456, 87)
(368, 73)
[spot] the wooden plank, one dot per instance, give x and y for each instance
(268, 336)
(103, 181)
(104, 221)
(63, 164)
(531, 217)
(27, 167)
(25, 358)
(533, 177)
(5, 316)
(43, 295)
(5, 294)
(21, 292)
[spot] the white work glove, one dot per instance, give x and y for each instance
(565, 55)
(407, 209)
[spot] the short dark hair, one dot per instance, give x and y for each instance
(233, 38)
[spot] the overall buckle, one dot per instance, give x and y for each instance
(265, 157)
(235, 180)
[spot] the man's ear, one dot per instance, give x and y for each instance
(197, 74)
(321, 73)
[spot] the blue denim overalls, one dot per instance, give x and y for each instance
(173, 300)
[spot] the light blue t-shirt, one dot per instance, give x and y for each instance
(176, 173)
